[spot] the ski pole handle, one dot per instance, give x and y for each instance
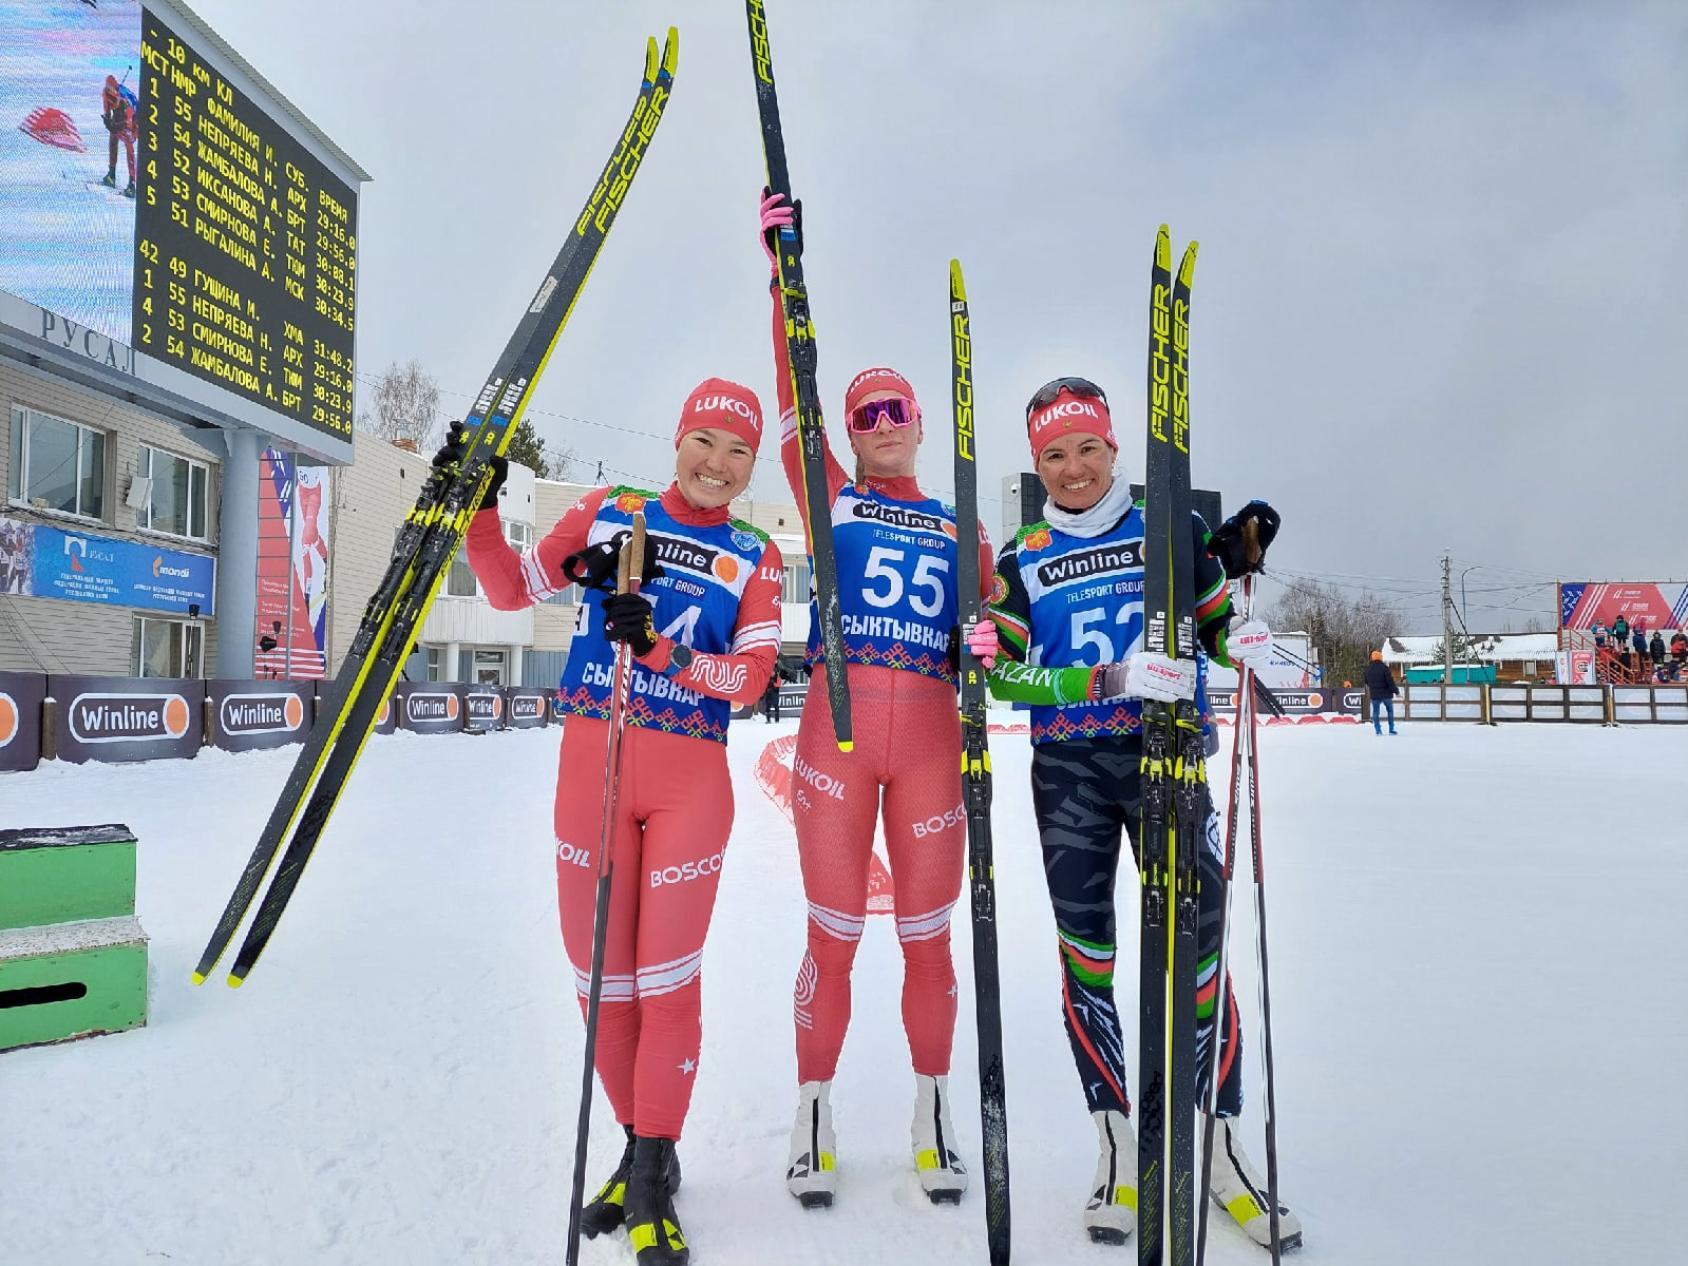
(1251, 544)
(631, 567)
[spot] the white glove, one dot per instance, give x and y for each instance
(1248, 641)
(1147, 675)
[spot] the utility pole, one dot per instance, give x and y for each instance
(1447, 625)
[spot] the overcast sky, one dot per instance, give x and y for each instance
(1439, 303)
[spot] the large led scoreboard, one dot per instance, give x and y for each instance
(245, 244)
(164, 210)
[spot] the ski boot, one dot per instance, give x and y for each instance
(1110, 1215)
(1241, 1192)
(812, 1174)
(109, 180)
(652, 1225)
(942, 1175)
(604, 1213)
(130, 191)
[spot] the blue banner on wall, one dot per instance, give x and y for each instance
(46, 562)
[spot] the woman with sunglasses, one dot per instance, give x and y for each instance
(895, 547)
(1067, 603)
(703, 630)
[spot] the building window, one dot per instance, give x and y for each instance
(167, 648)
(492, 667)
(178, 491)
(460, 581)
(565, 597)
(435, 655)
(795, 590)
(520, 535)
(57, 465)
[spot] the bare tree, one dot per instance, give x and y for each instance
(560, 464)
(1344, 629)
(406, 407)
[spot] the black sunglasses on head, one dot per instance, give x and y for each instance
(1045, 395)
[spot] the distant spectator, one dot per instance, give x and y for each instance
(1638, 638)
(1679, 647)
(1599, 635)
(1381, 683)
(1656, 648)
(771, 698)
(1620, 633)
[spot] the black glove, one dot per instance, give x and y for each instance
(451, 456)
(1230, 545)
(595, 566)
(627, 618)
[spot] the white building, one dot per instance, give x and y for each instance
(464, 638)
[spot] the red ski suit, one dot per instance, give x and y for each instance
(905, 766)
(673, 814)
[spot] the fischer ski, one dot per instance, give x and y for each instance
(430, 537)
(976, 786)
(800, 349)
(1174, 792)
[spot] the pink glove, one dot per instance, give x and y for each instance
(775, 215)
(981, 641)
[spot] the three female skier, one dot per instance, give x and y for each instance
(704, 632)
(895, 548)
(1067, 603)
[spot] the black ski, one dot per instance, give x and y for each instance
(976, 786)
(1174, 793)
(800, 349)
(491, 421)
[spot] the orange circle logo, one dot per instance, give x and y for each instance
(386, 713)
(726, 568)
(176, 716)
(293, 712)
(8, 719)
(451, 707)
(949, 529)
(497, 706)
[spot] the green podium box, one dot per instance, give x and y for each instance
(73, 957)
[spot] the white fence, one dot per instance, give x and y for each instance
(1508, 703)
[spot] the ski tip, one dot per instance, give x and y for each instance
(671, 52)
(958, 288)
(652, 59)
(199, 978)
(235, 982)
(846, 745)
(1163, 248)
(1187, 269)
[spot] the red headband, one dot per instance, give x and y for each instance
(723, 405)
(870, 382)
(1070, 414)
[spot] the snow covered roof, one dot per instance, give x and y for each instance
(1488, 648)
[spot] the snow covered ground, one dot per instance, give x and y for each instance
(1477, 1003)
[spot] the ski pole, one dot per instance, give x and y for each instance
(630, 569)
(1240, 736)
(1265, 990)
